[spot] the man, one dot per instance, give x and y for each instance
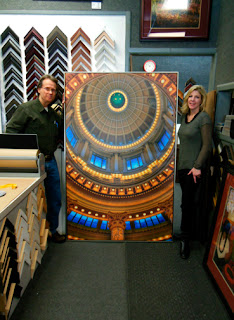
(37, 117)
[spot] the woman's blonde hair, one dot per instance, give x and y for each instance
(185, 108)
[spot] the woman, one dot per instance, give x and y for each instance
(195, 136)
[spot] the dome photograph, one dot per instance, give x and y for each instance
(120, 155)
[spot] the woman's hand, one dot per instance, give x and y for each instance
(196, 174)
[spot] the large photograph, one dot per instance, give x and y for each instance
(120, 155)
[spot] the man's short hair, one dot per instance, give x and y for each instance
(47, 76)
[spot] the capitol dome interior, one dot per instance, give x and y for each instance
(120, 155)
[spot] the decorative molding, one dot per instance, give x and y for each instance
(104, 47)
(81, 54)
(12, 69)
(58, 57)
(35, 61)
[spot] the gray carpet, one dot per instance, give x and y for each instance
(162, 286)
(120, 281)
(77, 281)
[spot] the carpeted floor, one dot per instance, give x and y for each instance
(77, 281)
(120, 281)
(162, 286)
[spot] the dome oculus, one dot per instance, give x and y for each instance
(117, 100)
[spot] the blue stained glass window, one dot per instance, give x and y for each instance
(164, 140)
(69, 133)
(161, 146)
(160, 218)
(77, 218)
(94, 223)
(104, 164)
(143, 223)
(137, 224)
(71, 216)
(88, 222)
(104, 225)
(170, 107)
(128, 225)
(83, 220)
(155, 220)
(92, 159)
(134, 163)
(72, 138)
(149, 222)
(98, 161)
(128, 165)
(140, 161)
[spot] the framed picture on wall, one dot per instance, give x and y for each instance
(174, 19)
(219, 257)
(73, 0)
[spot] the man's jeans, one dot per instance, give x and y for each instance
(53, 194)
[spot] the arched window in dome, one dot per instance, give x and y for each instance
(128, 225)
(149, 222)
(104, 225)
(72, 138)
(164, 140)
(134, 163)
(98, 161)
(170, 107)
(82, 220)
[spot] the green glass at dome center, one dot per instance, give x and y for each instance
(117, 100)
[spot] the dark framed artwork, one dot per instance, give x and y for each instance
(174, 19)
(219, 258)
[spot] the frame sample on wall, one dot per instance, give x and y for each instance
(219, 261)
(62, 43)
(174, 19)
(120, 155)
